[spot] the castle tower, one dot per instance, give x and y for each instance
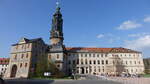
(57, 49)
(57, 28)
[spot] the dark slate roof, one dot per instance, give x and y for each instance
(34, 40)
(30, 40)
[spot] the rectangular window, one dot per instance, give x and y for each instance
(77, 61)
(106, 61)
(28, 45)
(74, 62)
(97, 55)
(98, 61)
(20, 65)
(26, 55)
(102, 61)
(22, 55)
(57, 56)
(101, 55)
(26, 64)
(15, 56)
(93, 55)
(89, 55)
(69, 62)
(49, 56)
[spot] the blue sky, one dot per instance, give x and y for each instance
(87, 23)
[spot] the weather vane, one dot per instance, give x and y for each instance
(57, 3)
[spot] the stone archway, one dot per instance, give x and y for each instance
(13, 71)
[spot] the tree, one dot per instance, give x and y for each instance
(40, 66)
(55, 72)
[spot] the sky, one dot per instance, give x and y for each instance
(87, 23)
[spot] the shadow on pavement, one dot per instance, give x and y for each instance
(28, 81)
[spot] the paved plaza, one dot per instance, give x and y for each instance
(130, 80)
(88, 80)
(60, 82)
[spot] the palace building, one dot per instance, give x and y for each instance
(79, 60)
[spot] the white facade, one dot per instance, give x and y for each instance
(87, 62)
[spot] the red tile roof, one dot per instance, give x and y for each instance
(103, 50)
(4, 60)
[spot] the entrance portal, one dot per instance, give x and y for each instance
(13, 71)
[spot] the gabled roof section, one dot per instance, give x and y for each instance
(102, 50)
(25, 40)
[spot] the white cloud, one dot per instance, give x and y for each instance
(140, 43)
(147, 19)
(100, 36)
(138, 34)
(129, 25)
(110, 38)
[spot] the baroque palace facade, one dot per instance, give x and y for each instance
(27, 52)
